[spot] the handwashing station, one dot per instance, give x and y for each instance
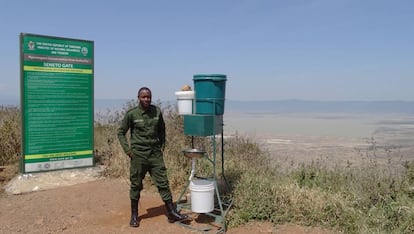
(203, 111)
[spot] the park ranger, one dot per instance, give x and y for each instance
(145, 150)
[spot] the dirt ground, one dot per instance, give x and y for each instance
(102, 206)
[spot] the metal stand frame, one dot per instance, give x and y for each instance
(214, 220)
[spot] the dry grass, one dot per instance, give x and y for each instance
(10, 135)
(365, 198)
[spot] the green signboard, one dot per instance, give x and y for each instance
(56, 80)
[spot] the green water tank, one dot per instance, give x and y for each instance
(210, 91)
(203, 125)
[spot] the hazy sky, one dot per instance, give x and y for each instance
(269, 49)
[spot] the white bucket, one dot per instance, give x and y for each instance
(185, 102)
(202, 196)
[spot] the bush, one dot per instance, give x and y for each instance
(10, 135)
(365, 198)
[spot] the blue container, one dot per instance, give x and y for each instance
(210, 91)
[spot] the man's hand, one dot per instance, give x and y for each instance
(129, 155)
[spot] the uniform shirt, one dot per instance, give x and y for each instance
(147, 130)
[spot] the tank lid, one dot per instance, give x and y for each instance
(209, 77)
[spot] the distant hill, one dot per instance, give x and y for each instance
(278, 106)
(295, 106)
(9, 101)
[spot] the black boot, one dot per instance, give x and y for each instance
(134, 214)
(172, 214)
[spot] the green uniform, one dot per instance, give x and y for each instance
(147, 129)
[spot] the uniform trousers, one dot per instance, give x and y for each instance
(153, 163)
